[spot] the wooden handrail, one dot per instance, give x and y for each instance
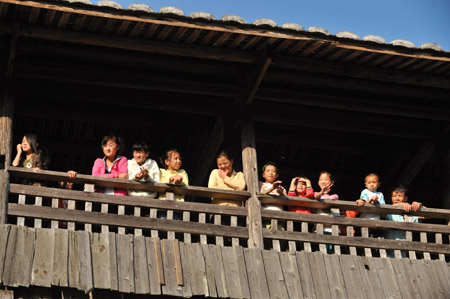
(56, 176)
(351, 205)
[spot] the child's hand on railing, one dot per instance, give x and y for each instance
(123, 176)
(72, 174)
(176, 179)
(360, 202)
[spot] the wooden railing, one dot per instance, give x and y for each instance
(36, 206)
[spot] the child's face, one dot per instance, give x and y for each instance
(140, 157)
(110, 149)
(174, 161)
(224, 164)
(301, 186)
(26, 146)
(398, 197)
(324, 180)
(372, 183)
(270, 173)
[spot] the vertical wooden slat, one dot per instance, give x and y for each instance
(291, 274)
(141, 280)
(21, 220)
(101, 266)
(274, 274)
(188, 262)
(423, 239)
(104, 209)
(319, 231)
(409, 237)
(121, 211)
(88, 208)
(233, 220)
(306, 245)
(306, 278)
(438, 237)
(187, 218)
(292, 245)
(42, 269)
(335, 232)
(4, 234)
(350, 234)
(61, 257)
(54, 223)
(218, 221)
(125, 267)
(71, 206)
(137, 213)
(154, 265)
(153, 215)
(275, 243)
(202, 219)
(38, 203)
(170, 196)
(365, 234)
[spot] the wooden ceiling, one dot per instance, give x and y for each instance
(320, 102)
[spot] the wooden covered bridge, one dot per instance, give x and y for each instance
(309, 100)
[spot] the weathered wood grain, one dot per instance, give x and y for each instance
(186, 218)
(113, 261)
(4, 235)
(74, 260)
(187, 264)
(274, 274)
(408, 288)
(21, 201)
(141, 280)
(235, 272)
(291, 274)
(170, 286)
(86, 279)
(352, 278)
(42, 270)
(19, 257)
(101, 267)
(335, 277)
(125, 263)
(387, 277)
(6, 294)
(38, 203)
(369, 277)
(154, 265)
(255, 271)
(306, 279)
(199, 283)
(306, 245)
(61, 258)
(209, 271)
(319, 274)
(54, 223)
(216, 265)
(424, 284)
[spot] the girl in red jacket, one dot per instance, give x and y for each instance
(301, 187)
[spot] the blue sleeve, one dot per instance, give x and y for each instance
(364, 195)
(381, 199)
(389, 217)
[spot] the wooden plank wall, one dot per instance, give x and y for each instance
(84, 261)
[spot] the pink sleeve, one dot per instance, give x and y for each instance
(97, 170)
(333, 197)
(123, 165)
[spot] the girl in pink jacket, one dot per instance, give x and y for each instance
(113, 165)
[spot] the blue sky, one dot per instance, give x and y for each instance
(418, 21)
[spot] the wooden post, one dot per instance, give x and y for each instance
(6, 132)
(250, 166)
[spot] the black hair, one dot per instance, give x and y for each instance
(166, 156)
(140, 146)
(225, 153)
(401, 189)
(270, 164)
(329, 174)
(40, 156)
(119, 141)
(372, 173)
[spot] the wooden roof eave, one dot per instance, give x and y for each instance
(236, 28)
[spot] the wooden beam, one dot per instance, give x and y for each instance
(6, 135)
(298, 81)
(362, 72)
(253, 79)
(368, 124)
(250, 166)
(397, 106)
(126, 43)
